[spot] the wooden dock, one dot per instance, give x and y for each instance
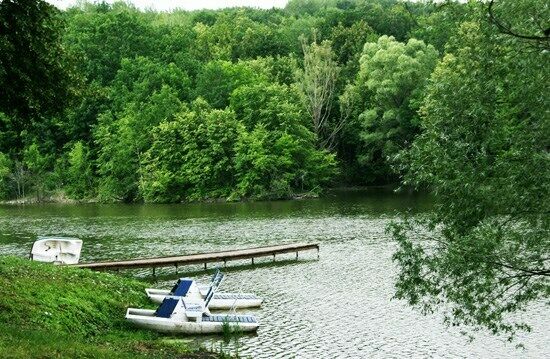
(202, 258)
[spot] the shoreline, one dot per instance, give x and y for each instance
(86, 321)
(61, 198)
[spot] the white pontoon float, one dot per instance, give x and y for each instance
(184, 288)
(57, 250)
(178, 315)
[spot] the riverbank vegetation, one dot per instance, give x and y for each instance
(50, 311)
(110, 103)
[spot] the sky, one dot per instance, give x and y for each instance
(165, 5)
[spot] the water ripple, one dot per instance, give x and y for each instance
(338, 307)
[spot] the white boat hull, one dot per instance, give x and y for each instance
(56, 250)
(219, 300)
(146, 319)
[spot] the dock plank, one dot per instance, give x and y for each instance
(200, 258)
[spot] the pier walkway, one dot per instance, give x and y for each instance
(202, 258)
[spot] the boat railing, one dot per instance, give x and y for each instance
(214, 285)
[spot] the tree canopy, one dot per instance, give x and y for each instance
(483, 151)
(35, 76)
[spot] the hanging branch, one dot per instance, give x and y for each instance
(508, 30)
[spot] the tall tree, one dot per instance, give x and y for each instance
(386, 96)
(34, 78)
(317, 83)
(192, 156)
(276, 157)
(484, 252)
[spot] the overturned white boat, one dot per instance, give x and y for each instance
(184, 288)
(57, 250)
(180, 315)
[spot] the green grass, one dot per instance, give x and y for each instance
(49, 311)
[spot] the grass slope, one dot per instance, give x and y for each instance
(49, 311)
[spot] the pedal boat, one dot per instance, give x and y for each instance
(177, 315)
(57, 250)
(220, 301)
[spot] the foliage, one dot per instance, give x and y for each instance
(124, 138)
(139, 78)
(38, 163)
(115, 73)
(276, 157)
(317, 83)
(217, 80)
(94, 35)
(5, 172)
(235, 36)
(192, 156)
(79, 173)
(441, 22)
(386, 96)
(38, 83)
(347, 44)
(483, 253)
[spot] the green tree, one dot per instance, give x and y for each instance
(483, 253)
(317, 84)
(217, 80)
(191, 157)
(385, 97)
(347, 43)
(276, 157)
(34, 76)
(79, 174)
(8, 134)
(38, 165)
(123, 138)
(5, 173)
(101, 36)
(441, 22)
(138, 78)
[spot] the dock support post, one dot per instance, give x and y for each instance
(176, 268)
(273, 257)
(205, 266)
(252, 260)
(153, 271)
(296, 255)
(224, 262)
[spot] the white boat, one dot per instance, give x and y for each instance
(199, 292)
(57, 250)
(178, 315)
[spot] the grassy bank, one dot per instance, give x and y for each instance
(49, 311)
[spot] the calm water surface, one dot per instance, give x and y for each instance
(337, 307)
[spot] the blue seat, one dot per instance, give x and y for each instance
(167, 307)
(181, 288)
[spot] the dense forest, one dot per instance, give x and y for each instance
(117, 104)
(112, 103)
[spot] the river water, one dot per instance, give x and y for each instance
(339, 306)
